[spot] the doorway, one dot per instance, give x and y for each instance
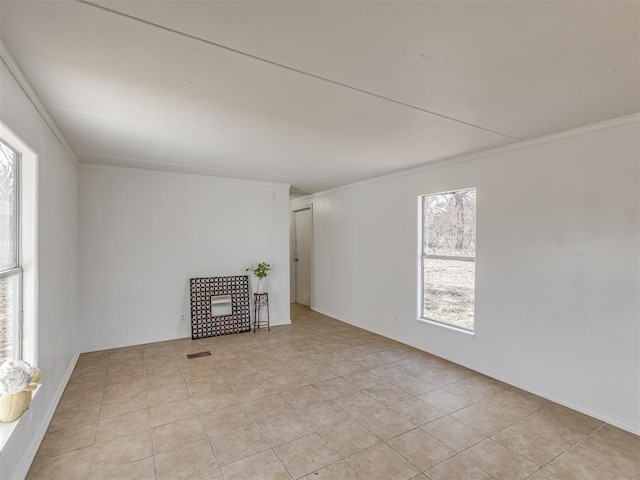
(302, 227)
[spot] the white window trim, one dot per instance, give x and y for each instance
(28, 238)
(420, 270)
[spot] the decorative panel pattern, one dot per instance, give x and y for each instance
(203, 324)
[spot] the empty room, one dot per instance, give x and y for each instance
(339, 240)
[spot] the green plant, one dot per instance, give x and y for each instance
(261, 270)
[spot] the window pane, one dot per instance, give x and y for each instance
(8, 218)
(9, 316)
(450, 223)
(449, 291)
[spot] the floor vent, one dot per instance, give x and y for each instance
(198, 355)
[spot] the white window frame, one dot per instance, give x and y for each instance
(425, 256)
(28, 245)
(16, 270)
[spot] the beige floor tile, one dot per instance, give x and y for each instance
(457, 469)
(156, 381)
(562, 423)
(357, 404)
(513, 405)
(270, 406)
(140, 470)
(122, 425)
(414, 385)
(174, 435)
(381, 463)
(254, 390)
(166, 367)
(262, 466)
(476, 388)
(85, 382)
(454, 434)
(124, 390)
(126, 368)
(71, 465)
(323, 415)
(123, 449)
(335, 387)
(132, 379)
(387, 395)
(114, 408)
(283, 428)
(171, 412)
(531, 445)
(197, 372)
(233, 445)
(287, 382)
(613, 437)
(226, 419)
(595, 459)
(74, 417)
(67, 440)
(573, 420)
(543, 475)
(481, 420)
(446, 401)
(80, 398)
(214, 401)
(213, 473)
(172, 393)
(306, 455)
(337, 471)
(302, 396)
(499, 461)
(417, 411)
(420, 449)
(385, 424)
(445, 375)
(361, 380)
(319, 373)
(348, 438)
(185, 462)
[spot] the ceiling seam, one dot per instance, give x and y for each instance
(292, 69)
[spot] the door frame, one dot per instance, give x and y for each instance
(294, 250)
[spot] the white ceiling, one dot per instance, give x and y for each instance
(320, 94)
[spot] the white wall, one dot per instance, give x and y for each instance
(55, 299)
(144, 234)
(557, 265)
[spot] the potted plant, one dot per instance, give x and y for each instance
(260, 270)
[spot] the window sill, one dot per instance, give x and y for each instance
(7, 429)
(447, 326)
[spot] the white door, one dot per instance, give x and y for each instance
(302, 256)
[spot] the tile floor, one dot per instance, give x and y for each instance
(316, 400)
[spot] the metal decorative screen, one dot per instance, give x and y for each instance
(203, 323)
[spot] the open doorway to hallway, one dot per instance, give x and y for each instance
(301, 258)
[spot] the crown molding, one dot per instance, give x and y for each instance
(24, 83)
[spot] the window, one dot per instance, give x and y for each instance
(448, 255)
(10, 271)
